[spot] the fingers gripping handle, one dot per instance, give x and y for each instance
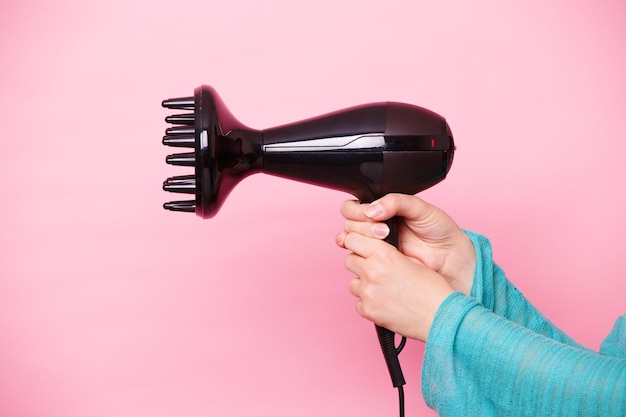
(386, 337)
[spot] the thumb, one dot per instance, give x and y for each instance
(403, 205)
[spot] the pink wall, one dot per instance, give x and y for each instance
(110, 306)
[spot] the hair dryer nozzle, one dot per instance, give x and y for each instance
(218, 141)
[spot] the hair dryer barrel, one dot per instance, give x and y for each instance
(367, 151)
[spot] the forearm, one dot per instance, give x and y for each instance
(479, 363)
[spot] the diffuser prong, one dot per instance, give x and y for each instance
(181, 119)
(181, 184)
(180, 141)
(187, 159)
(180, 130)
(188, 206)
(186, 103)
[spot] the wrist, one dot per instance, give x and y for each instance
(436, 304)
(460, 265)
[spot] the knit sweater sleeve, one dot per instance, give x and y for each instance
(478, 363)
(494, 354)
(495, 292)
(615, 343)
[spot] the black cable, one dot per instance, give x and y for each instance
(401, 345)
(401, 388)
(401, 398)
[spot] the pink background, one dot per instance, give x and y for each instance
(110, 306)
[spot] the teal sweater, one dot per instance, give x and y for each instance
(494, 354)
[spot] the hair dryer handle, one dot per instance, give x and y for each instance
(386, 337)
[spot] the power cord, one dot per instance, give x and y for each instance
(401, 387)
(401, 398)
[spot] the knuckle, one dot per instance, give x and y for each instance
(349, 209)
(367, 294)
(368, 309)
(350, 239)
(351, 226)
(376, 273)
(353, 287)
(387, 255)
(348, 262)
(390, 200)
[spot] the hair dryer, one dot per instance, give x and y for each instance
(367, 151)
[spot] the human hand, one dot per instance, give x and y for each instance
(426, 234)
(394, 291)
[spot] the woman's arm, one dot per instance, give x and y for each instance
(481, 364)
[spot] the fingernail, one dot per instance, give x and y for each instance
(339, 239)
(374, 210)
(381, 230)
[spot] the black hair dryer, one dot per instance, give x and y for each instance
(367, 151)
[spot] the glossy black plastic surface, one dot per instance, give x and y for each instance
(367, 151)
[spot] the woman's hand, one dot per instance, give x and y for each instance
(426, 234)
(394, 291)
